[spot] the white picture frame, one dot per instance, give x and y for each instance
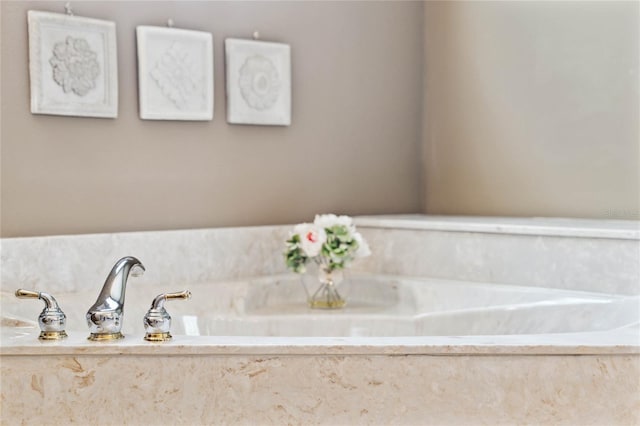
(73, 65)
(175, 74)
(258, 82)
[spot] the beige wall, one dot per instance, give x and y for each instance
(531, 108)
(353, 147)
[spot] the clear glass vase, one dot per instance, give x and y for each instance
(327, 295)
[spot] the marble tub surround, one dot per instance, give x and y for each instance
(172, 258)
(330, 389)
(246, 350)
(573, 254)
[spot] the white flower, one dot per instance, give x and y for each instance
(312, 237)
(363, 247)
(331, 241)
(329, 220)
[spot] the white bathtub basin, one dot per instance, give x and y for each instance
(378, 306)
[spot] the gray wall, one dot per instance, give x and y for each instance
(353, 146)
(531, 108)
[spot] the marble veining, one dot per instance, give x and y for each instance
(204, 390)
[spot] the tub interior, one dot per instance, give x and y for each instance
(378, 306)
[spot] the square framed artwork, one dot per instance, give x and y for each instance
(73, 65)
(258, 81)
(175, 74)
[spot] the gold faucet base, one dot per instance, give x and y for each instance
(327, 304)
(157, 337)
(100, 337)
(52, 335)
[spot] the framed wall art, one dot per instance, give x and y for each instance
(175, 74)
(72, 65)
(258, 81)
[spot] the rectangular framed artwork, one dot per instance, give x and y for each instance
(258, 81)
(175, 74)
(72, 65)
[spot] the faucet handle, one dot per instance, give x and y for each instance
(52, 320)
(157, 321)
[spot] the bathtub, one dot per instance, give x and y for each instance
(394, 310)
(407, 349)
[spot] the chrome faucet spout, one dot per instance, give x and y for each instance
(105, 316)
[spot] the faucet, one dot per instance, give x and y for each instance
(105, 316)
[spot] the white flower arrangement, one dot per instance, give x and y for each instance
(330, 241)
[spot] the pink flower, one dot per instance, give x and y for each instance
(312, 238)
